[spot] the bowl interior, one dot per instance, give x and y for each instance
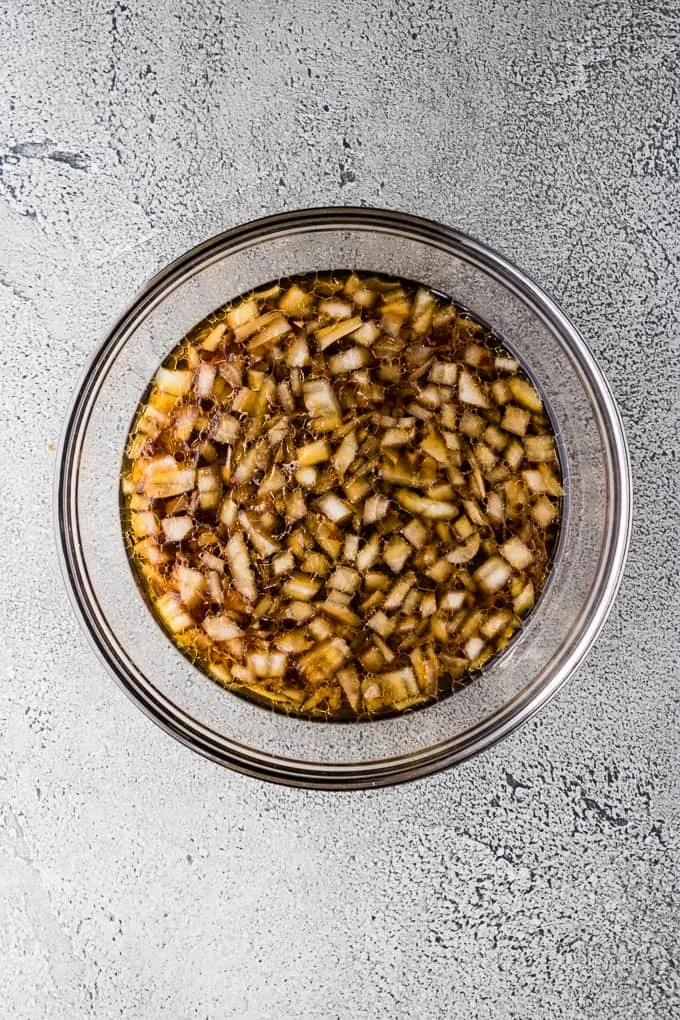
(586, 568)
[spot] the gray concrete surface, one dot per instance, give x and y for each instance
(137, 880)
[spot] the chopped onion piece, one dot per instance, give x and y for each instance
(298, 611)
(475, 356)
(315, 563)
(313, 453)
(185, 419)
(525, 394)
(191, 586)
(339, 597)
(349, 681)
(269, 664)
(440, 571)
(366, 334)
(465, 553)
(515, 419)
(344, 579)
(474, 512)
(349, 360)
(144, 523)
(432, 509)
(205, 379)
(473, 647)
(260, 542)
(240, 568)
(169, 481)
(242, 313)
(228, 511)
(209, 487)
(426, 668)
(244, 401)
(345, 454)
(320, 400)
(422, 312)
(485, 457)
(421, 413)
(329, 334)
(514, 454)
(300, 587)
(296, 303)
(283, 563)
(334, 308)
(396, 553)
(495, 623)
(399, 592)
(176, 529)
(435, 447)
(278, 327)
(172, 612)
(294, 641)
(296, 508)
(214, 585)
(444, 373)
(324, 659)
(249, 464)
(334, 508)
(552, 485)
(505, 364)
(307, 477)
(285, 396)
(492, 574)
(383, 648)
(517, 553)
(525, 600)
(351, 548)
(320, 629)
(469, 392)
(371, 692)
(495, 508)
(297, 354)
(415, 532)
(250, 326)
(375, 508)
(544, 512)
(453, 600)
(539, 448)
(226, 429)
(368, 554)
(340, 612)
(430, 397)
(149, 550)
(214, 337)
(356, 489)
(221, 628)
(398, 436)
(400, 687)
(212, 562)
(273, 481)
(381, 624)
(178, 382)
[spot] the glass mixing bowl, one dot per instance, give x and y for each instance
(588, 563)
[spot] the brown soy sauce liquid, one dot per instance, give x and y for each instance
(392, 370)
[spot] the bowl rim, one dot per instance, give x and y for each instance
(504, 720)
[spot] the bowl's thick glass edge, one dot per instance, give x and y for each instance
(501, 723)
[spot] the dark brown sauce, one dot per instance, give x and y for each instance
(416, 440)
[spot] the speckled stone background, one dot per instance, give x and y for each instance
(137, 880)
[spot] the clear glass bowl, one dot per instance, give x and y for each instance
(588, 565)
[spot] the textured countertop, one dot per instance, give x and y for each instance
(138, 880)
